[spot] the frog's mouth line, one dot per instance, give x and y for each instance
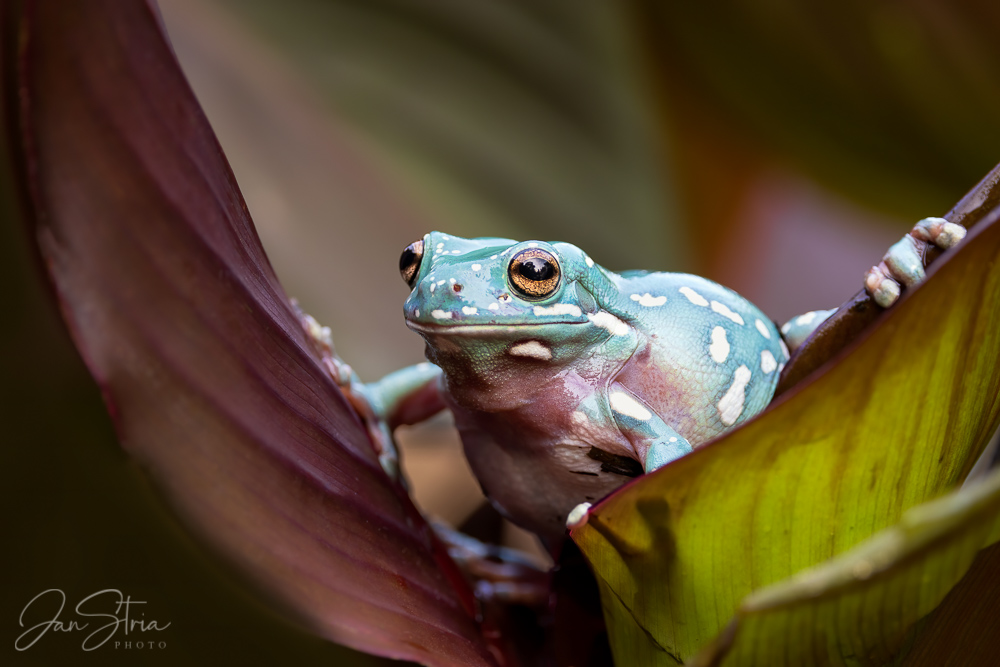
(458, 328)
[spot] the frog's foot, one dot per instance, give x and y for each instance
(407, 396)
(903, 265)
(497, 574)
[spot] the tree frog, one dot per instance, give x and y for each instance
(566, 379)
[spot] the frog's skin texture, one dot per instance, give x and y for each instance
(563, 392)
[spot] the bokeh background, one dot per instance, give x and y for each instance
(777, 147)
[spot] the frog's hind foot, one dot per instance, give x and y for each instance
(903, 265)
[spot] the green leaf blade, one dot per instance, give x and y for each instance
(896, 420)
(857, 608)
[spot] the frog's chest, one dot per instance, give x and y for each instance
(557, 446)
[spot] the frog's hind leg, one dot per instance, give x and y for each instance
(903, 265)
(796, 330)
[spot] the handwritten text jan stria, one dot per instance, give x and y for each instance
(109, 610)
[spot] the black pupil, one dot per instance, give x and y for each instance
(407, 259)
(537, 269)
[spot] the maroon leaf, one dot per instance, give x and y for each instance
(211, 381)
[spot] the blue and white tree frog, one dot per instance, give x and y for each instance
(566, 379)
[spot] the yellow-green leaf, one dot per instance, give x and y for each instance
(858, 607)
(895, 420)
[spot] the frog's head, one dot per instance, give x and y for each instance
(493, 310)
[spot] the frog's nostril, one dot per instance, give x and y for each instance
(457, 287)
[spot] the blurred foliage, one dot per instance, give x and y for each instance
(520, 119)
(893, 102)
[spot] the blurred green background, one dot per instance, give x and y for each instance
(776, 147)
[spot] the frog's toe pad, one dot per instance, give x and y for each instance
(939, 231)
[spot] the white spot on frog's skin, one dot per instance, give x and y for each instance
(417, 312)
(532, 245)
(781, 367)
(589, 261)
(441, 282)
(648, 300)
(451, 280)
(624, 404)
(693, 296)
(469, 310)
(433, 285)
(719, 349)
(785, 327)
(558, 309)
(494, 306)
(762, 328)
(441, 314)
(784, 349)
(609, 322)
(476, 267)
(533, 349)
(767, 362)
(731, 404)
(578, 516)
(439, 246)
(723, 310)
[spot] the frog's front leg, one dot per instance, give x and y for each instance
(655, 442)
(407, 396)
(903, 264)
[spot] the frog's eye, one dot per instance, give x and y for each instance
(409, 261)
(534, 273)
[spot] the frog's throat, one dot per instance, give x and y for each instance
(459, 329)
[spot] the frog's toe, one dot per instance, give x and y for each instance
(904, 261)
(903, 265)
(938, 231)
(390, 464)
(881, 286)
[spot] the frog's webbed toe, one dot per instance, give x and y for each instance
(903, 265)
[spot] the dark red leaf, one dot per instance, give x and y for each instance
(965, 627)
(211, 381)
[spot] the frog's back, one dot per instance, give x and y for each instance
(708, 360)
